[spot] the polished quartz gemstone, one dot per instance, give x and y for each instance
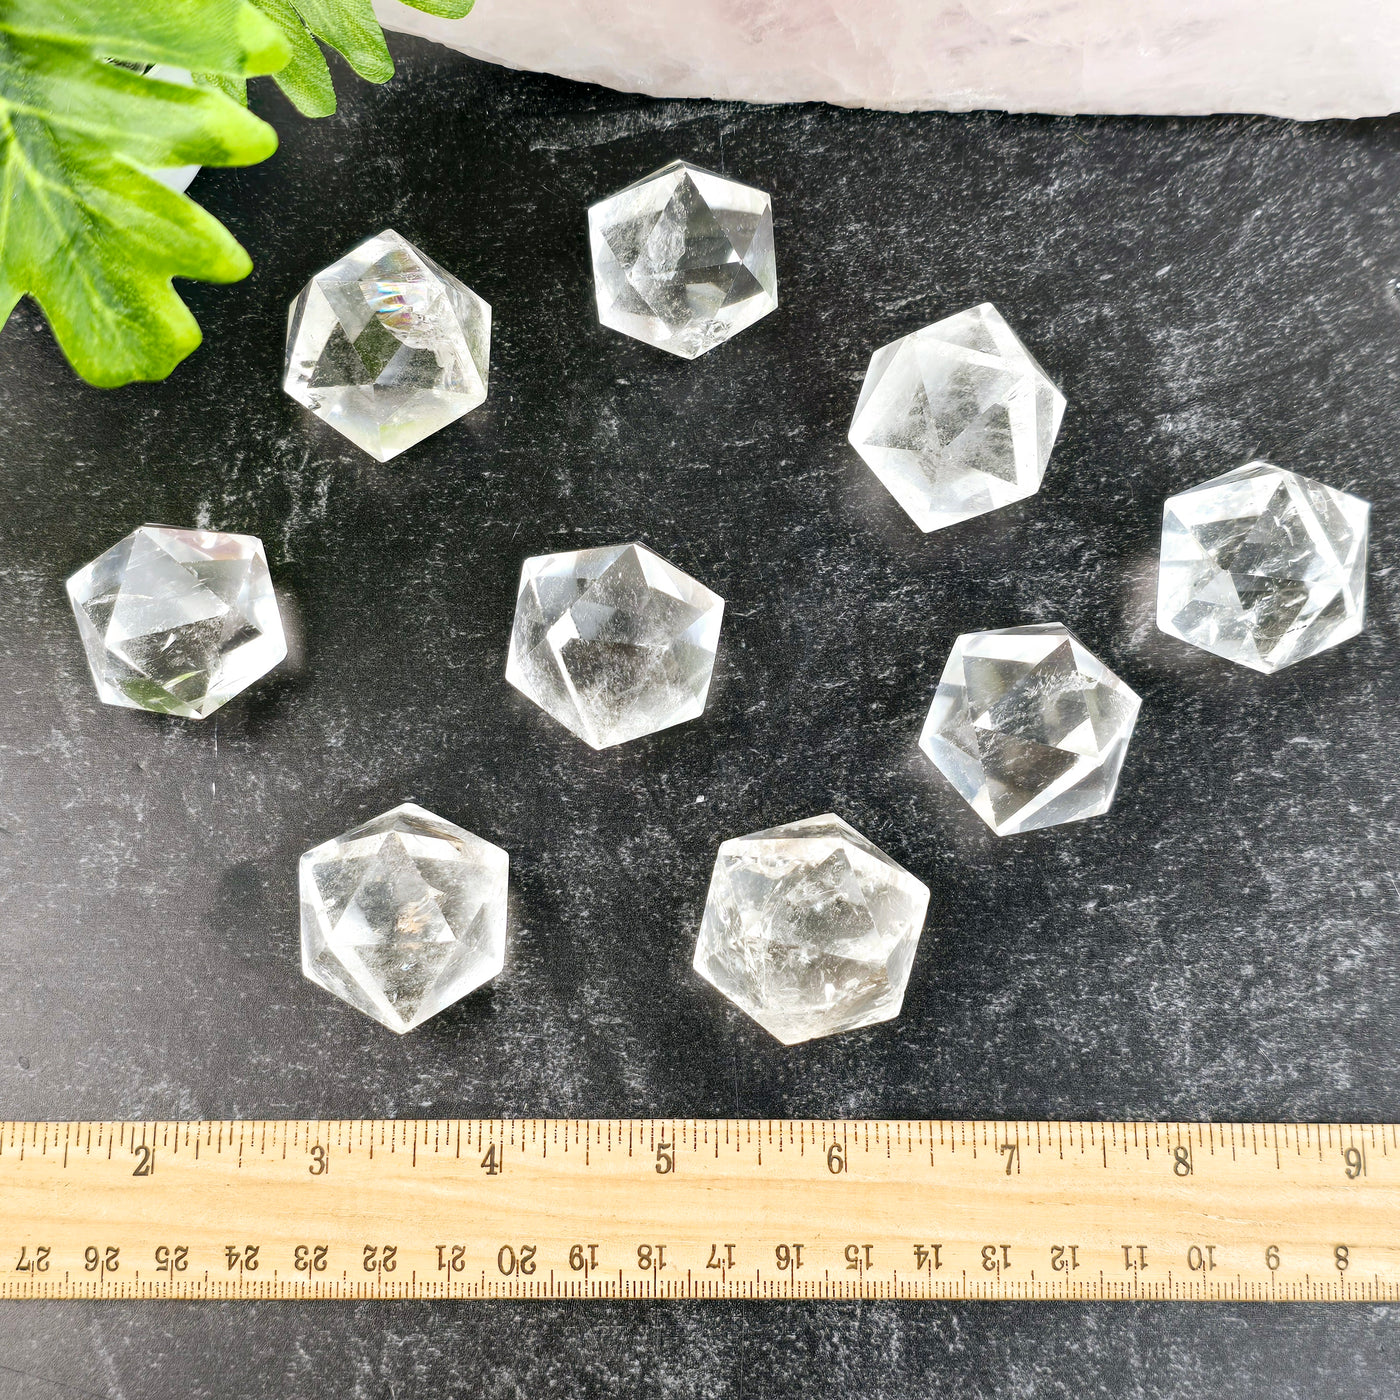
(957, 419)
(1263, 566)
(1030, 727)
(386, 347)
(683, 259)
(614, 643)
(177, 621)
(403, 915)
(810, 929)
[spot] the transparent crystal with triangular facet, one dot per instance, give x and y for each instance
(403, 915)
(614, 643)
(386, 347)
(177, 621)
(810, 929)
(957, 419)
(1263, 566)
(1030, 727)
(683, 259)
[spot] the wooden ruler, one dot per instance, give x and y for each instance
(700, 1208)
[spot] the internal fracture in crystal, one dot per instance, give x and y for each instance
(386, 347)
(957, 419)
(1263, 566)
(683, 259)
(403, 916)
(614, 643)
(810, 929)
(1030, 727)
(177, 621)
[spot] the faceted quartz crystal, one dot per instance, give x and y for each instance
(683, 259)
(1263, 566)
(1030, 727)
(614, 643)
(957, 419)
(177, 621)
(386, 347)
(403, 916)
(810, 929)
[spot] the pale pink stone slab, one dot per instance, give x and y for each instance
(1295, 58)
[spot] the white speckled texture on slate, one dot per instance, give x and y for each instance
(1225, 944)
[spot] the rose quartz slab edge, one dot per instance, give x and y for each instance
(1294, 58)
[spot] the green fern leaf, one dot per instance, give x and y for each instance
(347, 26)
(85, 229)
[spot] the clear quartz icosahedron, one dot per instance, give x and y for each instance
(1263, 566)
(683, 259)
(957, 419)
(386, 347)
(404, 915)
(177, 621)
(810, 929)
(614, 643)
(1030, 727)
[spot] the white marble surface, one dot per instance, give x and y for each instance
(1292, 58)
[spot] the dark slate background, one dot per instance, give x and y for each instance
(1223, 945)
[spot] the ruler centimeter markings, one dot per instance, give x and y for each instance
(700, 1208)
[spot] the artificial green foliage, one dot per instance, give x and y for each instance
(84, 228)
(347, 26)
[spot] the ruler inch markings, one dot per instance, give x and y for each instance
(1000, 1209)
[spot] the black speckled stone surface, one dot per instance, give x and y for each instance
(1224, 944)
